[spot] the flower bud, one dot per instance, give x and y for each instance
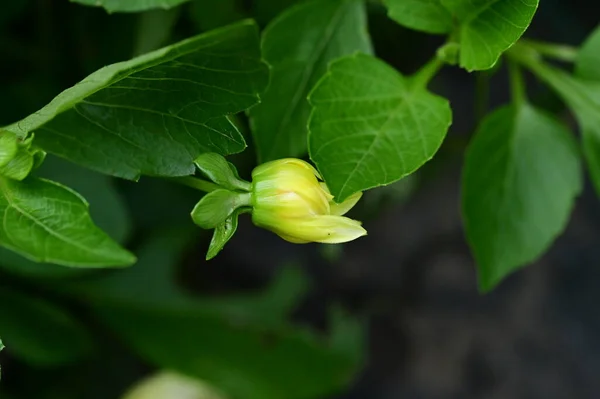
(289, 200)
(169, 385)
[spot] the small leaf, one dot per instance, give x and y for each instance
(422, 15)
(489, 27)
(299, 44)
(156, 113)
(39, 332)
(130, 5)
(521, 176)
(220, 171)
(370, 127)
(215, 207)
(8, 147)
(47, 222)
(223, 233)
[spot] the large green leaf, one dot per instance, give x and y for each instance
(489, 27)
(521, 176)
(48, 222)
(39, 332)
(299, 44)
(371, 126)
(106, 207)
(130, 5)
(423, 15)
(156, 113)
(581, 93)
(242, 363)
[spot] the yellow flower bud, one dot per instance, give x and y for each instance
(169, 385)
(289, 200)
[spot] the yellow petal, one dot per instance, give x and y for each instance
(343, 208)
(324, 229)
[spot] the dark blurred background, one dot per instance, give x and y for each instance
(430, 334)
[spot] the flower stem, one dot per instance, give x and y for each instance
(517, 85)
(422, 77)
(196, 183)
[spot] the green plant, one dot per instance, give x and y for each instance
(309, 84)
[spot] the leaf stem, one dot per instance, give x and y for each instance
(196, 183)
(561, 52)
(517, 84)
(424, 75)
(482, 95)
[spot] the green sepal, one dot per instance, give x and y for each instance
(8, 147)
(18, 158)
(215, 207)
(223, 233)
(220, 171)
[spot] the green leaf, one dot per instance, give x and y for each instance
(211, 14)
(106, 207)
(215, 207)
(223, 233)
(220, 171)
(243, 363)
(299, 44)
(588, 58)
(582, 95)
(39, 332)
(370, 126)
(156, 113)
(521, 176)
(130, 5)
(47, 222)
(8, 147)
(489, 27)
(423, 15)
(153, 30)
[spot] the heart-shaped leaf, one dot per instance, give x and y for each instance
(370, 126)
(521, 176)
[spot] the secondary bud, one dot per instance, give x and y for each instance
(289, 200)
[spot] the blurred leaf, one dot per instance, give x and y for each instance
(371, 126)
(521, 176)
(130, 5)
(298, 45)
(151, 283)
(156, 113)
(265, 10)
(48, 222)
(423, 15)
(39, 332)
(588, 58)
(154, 29)
(242, 363)
(489, 27)
(211, 14)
